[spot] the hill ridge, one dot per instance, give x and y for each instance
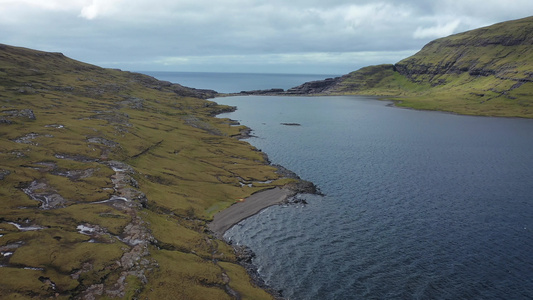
(109, 179)
(485, 71)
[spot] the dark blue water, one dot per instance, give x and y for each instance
(236, 82)
(419, 205)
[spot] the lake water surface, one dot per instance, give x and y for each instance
(418, 205)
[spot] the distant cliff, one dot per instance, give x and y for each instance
(487, 71)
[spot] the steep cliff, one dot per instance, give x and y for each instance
(487, 71)
(503, 50)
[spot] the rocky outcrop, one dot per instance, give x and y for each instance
(42, 192)
(263, 92)
(300, 186)
(245, 258)
(308, 88)
(8, 115)
(314, 87)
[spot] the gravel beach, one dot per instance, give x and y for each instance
(239, 211)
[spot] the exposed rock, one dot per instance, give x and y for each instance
(4, 173)
(300, 186)
(75, 157)
(102, 141)
(74, 175)
(90, 229)
(44, 166)
(135, 234)
(192, 92)
(22, 113)
(119, 167)
(297, 200)
(223, 109)
(263, 92)
(284, 172)
(243, 134)
(10, 247)
(58, 126)
(47, 281)
(313, 87)
(245, 258)
(85, 267)
(27, 226)
(42, 192)
(92, 292)
(28, 139)
(6, 251)
(304, 187)
(3, 120)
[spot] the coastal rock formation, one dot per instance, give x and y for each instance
(314, 87)
(263, 92)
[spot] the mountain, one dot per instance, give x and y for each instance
(108, 180)
(487, 71)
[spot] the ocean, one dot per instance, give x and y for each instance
(417, 205)
(236, 82)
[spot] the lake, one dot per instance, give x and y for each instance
(418, 205)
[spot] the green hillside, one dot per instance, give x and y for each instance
(107, 181)
(487, 71)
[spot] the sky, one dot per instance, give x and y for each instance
(250, 36)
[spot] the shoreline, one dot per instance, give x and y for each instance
(252, 205)
(255, 203)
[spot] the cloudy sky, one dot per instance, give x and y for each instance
(273, 36)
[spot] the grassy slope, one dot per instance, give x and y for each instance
(488, 71)
(183, 168)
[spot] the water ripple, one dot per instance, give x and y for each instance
(419, 205)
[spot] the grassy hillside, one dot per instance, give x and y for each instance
(107, 180)
(487, 71)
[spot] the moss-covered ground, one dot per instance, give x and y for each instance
(107, 181)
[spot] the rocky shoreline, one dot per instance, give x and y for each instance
(252, 205)
(244, 255)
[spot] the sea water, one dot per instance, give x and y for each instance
(417, 205)
(236, 82)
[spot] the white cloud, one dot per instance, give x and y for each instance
(100, 7)
(373, 15)
(313, 62)
(437, 31)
